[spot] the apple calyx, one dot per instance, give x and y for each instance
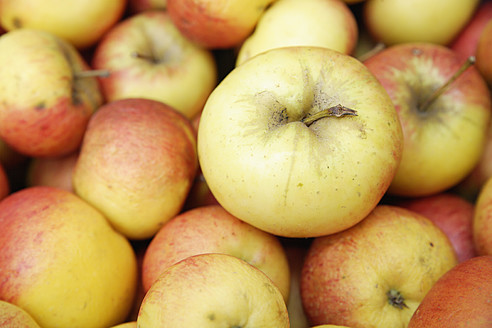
(337, 111)
(425, 105)
(91, 73)
(396, 299)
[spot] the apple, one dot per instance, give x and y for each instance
(129, 324)
(460, 298)
(213, 290)
(375, 273)
(137, 6)
(52, 171)
(46, 100)
(438, 21)
(323, 23)
(299, 141)
(453, 214)
(482, 220)
(149, 58)
(466, 41)
(62, 262)
(216, 24)
(12, 316)
(79, 22)
(211, 229)
(136, 164)
(444, 109)
(484, 53)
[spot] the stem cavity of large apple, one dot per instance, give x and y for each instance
(427, 102)
(396, 299)
(337, 111)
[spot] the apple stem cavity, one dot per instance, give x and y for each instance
(425, 105)
(145, 57)
(396, 299)
(337, 111)
(91, 73)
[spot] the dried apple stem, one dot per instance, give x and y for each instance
(91, 73)
(142, 56)
(425, 105)
(337, 111)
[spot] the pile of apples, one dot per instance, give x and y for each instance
(245, 163)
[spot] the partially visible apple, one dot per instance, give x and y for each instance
(453, 214)
(444, 125)
(13, 316)
(149, 58)
(216, 24)
(213, 290)
(482, 221)
(461, 298)
(46, 99)
(4, 183)
(299, 141)
(80, 22)
(52, 171)
(375, 273)
(322, 23)
(137, 6)
(484, 53)
(438, 21)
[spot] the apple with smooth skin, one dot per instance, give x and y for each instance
(466, 41)
(216, 24)
(375, 273)
(149, 58)
(136, 164)
(12, 316)
(299, 141)
(45, 112)
(484, 53)
(322, 23)
(396, 22)
(81, 23)
(482, 220)
(213, 290)
(52, 171)
(461, 298)
(453, 214)
(211, 229)
(62, 262)
(444, 109)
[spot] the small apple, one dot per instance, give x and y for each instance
(323, 23)
(80, 22)
(136, 164)
(52, 171)
(46, 99)
(484, 53)
(461, 298)
(149, 58)
(213, 290)
(453, 214)
(12, 316)
(210, 229)
(482, 220)
(444, 109)
(62, 262)
(299, 141)
(375, 273)
(216, 24)
(438, 21)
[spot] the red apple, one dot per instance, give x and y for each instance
(461, 298)
(52, 171)
(482, 221)
(484, 53)
(453, 214)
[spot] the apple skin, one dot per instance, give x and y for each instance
(137, 6)
(482, 220)
(62, 262)
(216, 24)
(466, 41)
(12, 316)
(396, 22)
(137, 164)
(130, 324)
(322, 23)
(52, 171)
(213, 290)
(174, 70)
(444, 142)
(268, 168)
(347, 276)
(453, 214)
(461, 298)
(79, 22)
(4, 183)
(484, 53)
(210, 229)
(46, 111)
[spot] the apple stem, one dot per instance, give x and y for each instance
(396, 299)
(425, 105)
(142, 56)
(377, 48)
(337, 111)
(91, 73)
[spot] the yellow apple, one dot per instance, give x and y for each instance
(323, 23)
(12, 316)
(213, 290)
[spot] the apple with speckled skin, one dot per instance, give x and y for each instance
(13, 316)
(375, 273)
